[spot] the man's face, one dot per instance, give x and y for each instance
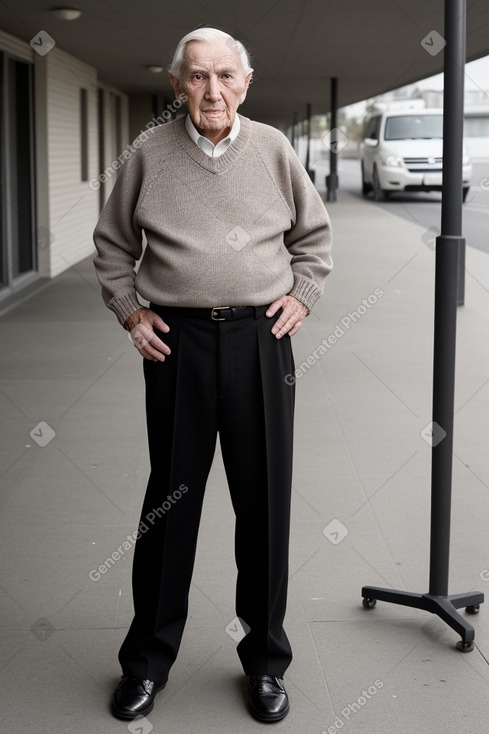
(214, 81)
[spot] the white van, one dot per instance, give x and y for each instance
(402, 151)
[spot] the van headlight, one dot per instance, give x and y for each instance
(392, 160)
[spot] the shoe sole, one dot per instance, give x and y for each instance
(130, 717)
(271, 718)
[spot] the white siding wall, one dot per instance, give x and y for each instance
(65, 205)
(73, 205)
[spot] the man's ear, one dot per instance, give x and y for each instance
(175, 84)
(248, 79)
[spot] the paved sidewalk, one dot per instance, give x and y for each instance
(73, 466)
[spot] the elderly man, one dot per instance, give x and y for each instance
(238, 247)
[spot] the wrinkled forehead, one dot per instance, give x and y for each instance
(212, 56)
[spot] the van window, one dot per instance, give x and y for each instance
(372, 131)
(414, 127)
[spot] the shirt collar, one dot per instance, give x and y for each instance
(205, 144)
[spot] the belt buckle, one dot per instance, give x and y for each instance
(215, 313)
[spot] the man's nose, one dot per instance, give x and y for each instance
(213, 91)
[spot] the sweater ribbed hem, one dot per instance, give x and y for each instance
(306, 292)
(124, 306)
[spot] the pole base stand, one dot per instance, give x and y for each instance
(332, 183)
(444, 606)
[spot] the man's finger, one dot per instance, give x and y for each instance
(152, 354)
(274, 307)
(158, 322)
(283, 324)
(155, 355)
(147, 342)
(295, 328)
(141, 334)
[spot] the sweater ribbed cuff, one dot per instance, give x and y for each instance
(124, 306)
(306, 291)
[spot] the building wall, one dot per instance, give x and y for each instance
(112, 148)
(16, 47)
(73, 205)
(66, 207)
(71, 209)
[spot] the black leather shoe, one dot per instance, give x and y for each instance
(134, 697)
(268, 700)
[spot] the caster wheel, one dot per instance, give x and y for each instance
(473, 610)
(465, 646)
(368, 603)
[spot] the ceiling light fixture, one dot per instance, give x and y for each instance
(67, 13)
(154, 69)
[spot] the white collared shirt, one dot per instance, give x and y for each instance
(213, 151)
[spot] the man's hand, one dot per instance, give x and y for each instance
(141, 324)
(292, 317)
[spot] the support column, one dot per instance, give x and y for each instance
(294, 124)
(332, 179)
(308, 149)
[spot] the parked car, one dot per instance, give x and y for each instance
(402, 151)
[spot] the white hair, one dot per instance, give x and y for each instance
(208, 34)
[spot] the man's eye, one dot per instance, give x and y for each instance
(227, 76)
(198, 77)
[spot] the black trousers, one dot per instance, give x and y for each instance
(226, 377)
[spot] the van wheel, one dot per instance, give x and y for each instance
(379, 193)
(366, 187)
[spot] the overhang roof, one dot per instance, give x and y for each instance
(372, 46)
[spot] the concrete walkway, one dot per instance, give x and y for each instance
(73, 471)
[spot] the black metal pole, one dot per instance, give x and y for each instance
(449, 245)
(308, 148)
(332, 178)
(294, 123)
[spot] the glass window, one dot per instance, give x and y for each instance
(413, 127)
(476, 127)
(373, 129)
(17, 178)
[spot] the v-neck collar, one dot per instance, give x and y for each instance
(222, 162)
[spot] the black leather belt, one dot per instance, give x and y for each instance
(217, 313)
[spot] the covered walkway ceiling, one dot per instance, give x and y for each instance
(371, 45)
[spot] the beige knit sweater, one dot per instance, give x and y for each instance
(242, 229)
